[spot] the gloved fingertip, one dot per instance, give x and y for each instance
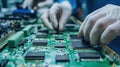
(104, 42)
(93, 43)
(51, 28)
(80, 34)
(61, 27)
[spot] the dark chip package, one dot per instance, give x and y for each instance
(41, 35)
(74, 36)
(59, 38)
(71, 30)
(43, 31)
(35, 56)
(60, 45)
(89, 55)
(62, 58)
(77, 44)
(40, 43)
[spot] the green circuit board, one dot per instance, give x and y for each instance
(35, 46)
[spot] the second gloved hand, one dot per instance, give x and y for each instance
(102, 25)
(57, 16)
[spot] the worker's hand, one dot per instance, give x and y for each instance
(57, 15)
(27, 4)
(103, 25)
(35, 6)
(45, 3)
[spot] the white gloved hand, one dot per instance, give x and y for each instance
(27, 4)
(57, 15)
(102, 25)
(45, 3)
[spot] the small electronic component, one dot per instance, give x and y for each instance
(22, 42)
(27, 30)
(35, 56)
(15, 39)
(89, 55)
(59, 38)
(4, 62)
(70, 27)
(74, 36)
(71, 30)
(60, 45)
(77, 44)
(17, 26)
(43, 31)
(62, 58)
(40, 35)
(40, 42)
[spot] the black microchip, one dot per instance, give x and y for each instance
(62, 58)
(59, 38)
(41, 35)
(43, 31)
(77, 44)
(74, 36)
(72, 30)
(4, 62)
(60, 45)
(89, 55)
(35, 56)
(40, 42)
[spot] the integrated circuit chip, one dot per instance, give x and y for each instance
(74, 36)
(77, 44)
(40, 42)
(43, 31)
(59, 38)
(35, 56)
(62, 58)
(89, 55)
(70, 28)
(60, 45)
(40, 35)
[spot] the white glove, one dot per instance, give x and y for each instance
(102, 25)
(45, 3)
(57, 15)
(27, 3)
